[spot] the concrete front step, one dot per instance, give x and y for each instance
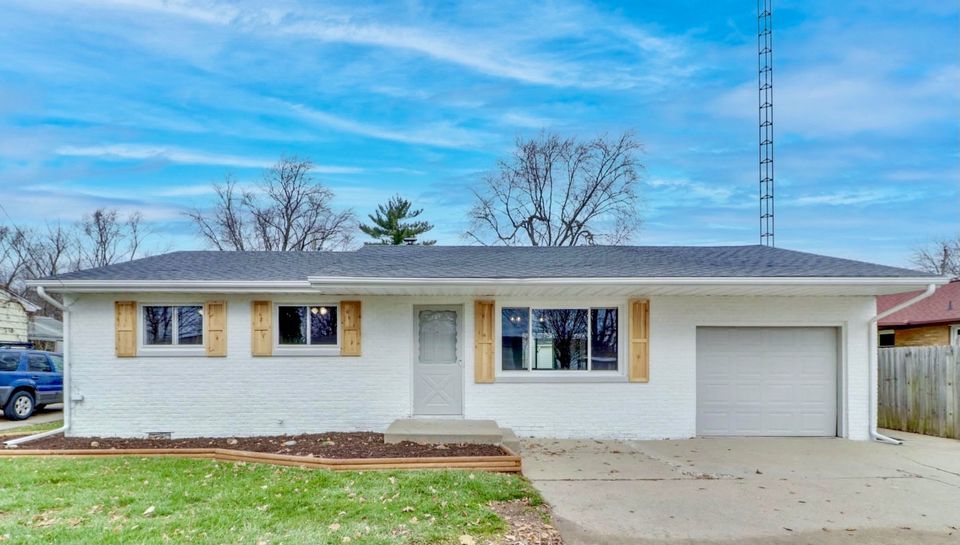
(435, 431)
(510, 440)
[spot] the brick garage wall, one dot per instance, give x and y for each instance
(243, 395)
(666, 406)
(933, 335)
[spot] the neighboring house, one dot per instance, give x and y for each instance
(600, 341)
(45, 333)
(14, 317)
(930, 322)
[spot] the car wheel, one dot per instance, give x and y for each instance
(20, 406)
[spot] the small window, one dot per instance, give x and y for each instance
(564, 339)
(9, 362)
(603, 339)
(888, 338)
(514, 340)
(307, 325)
(57, 361)
(172, 325)
(38, 363)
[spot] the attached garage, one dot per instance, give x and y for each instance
(767, 381)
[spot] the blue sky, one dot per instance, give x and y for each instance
(140, 105)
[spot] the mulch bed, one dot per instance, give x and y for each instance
(322, 445)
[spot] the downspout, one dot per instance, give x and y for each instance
(872, 351)
(67, 392)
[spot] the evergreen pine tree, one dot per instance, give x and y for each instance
(389, 225)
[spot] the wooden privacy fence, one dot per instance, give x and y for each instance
(919, 390)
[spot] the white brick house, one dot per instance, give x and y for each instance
(629, 342)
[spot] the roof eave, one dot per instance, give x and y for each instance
(375, 285)
(220, 286)
(651, 281)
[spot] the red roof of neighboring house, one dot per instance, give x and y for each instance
(941, 307)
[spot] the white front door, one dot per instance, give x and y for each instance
(438, 361)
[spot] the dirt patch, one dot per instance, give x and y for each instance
(529, 525)
(322, 445)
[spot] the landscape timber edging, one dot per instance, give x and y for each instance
(508, 463)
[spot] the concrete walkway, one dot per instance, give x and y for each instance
(741, 490)
(50, 413)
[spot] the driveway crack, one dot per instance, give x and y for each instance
(934, 467)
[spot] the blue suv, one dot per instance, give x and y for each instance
(29, 380)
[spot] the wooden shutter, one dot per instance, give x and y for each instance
(638, 369)
(350, 342)
(261, 318)
(215, 327)
(483, 360)
(125, 314)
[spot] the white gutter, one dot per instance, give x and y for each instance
(874, 363)
(633, 280)
(67, 392)
(220, 286)
(244, 286)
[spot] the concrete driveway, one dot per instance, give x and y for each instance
(50, 413)
(750, 490)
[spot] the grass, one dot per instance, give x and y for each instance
(33, 428)
(169, 500)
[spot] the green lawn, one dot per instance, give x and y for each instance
(157, 500)
(33, 428)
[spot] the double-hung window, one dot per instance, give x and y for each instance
(565, 339)
(306, 326)
(172, 325)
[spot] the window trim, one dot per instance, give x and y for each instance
(173, 349)
(882, 332)
(955, 334)
(305, 349)
(561, 375)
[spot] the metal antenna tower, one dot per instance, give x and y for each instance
(765, 77)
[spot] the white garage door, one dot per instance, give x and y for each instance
(775, 381)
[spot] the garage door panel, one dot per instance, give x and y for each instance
(745, 393)
(766, 381)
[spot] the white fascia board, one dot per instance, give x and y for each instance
(637, 281)
(219, 286)
(313, 282)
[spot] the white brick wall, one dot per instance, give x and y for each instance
(242, 395)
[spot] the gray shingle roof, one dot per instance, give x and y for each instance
(491, 262)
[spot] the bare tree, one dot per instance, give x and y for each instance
(105, 238)
(35, 253)
(557, 191)
(225, 226)
(100, 238)
(53, 251)
(939, 257)
(291, 212)
(12, 262)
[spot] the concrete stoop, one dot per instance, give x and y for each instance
(435, 431)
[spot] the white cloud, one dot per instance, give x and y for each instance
(182, 156)
(445, 135)
(514, 44)
(866, 197)
(526, 120)
(713, 193)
